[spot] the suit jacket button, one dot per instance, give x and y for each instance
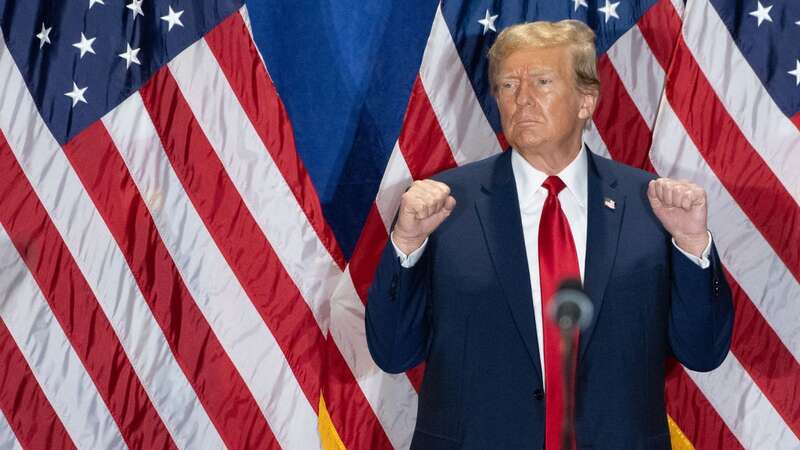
(538, 394)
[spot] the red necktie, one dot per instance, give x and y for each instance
(557, 260)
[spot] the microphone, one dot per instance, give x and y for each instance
(571, 306)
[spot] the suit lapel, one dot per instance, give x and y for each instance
(604, 216)
(498, 212)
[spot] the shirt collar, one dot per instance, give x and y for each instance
(529, 179)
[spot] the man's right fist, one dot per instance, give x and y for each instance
(423, 207)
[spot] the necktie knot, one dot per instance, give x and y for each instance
(554, 185)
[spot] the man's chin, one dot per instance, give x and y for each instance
(526, 141)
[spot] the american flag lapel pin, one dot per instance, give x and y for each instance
(610, 204)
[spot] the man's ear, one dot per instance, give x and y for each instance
(588, 103)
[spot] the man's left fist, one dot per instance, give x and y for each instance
(682, 208)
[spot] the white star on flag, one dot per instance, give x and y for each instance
(85, 45)
(488, 22)
(76, 94)
(130, 56)
(173, 18)
(796, 73)
(136, 8)
(44, 36)
(579, 3)
(92, 3)
(762, 13)
(610, 10)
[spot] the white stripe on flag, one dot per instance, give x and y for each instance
(743, 251)
(95, 252)
(396, 179)
(211, 282)
(452, 98)
(8, 440)
(595, 142)
(255, 175)
(639, 72)
(391, 396)
(743, 407)
(679, 7)
(764, 125)
(58, 370)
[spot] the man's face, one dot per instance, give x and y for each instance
(541, 109)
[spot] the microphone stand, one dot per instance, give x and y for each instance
(568, 367)
(571, 310)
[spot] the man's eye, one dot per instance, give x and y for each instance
(545, 81)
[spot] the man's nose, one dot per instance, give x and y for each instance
(525, 94)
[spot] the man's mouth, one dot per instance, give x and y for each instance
(527, 122)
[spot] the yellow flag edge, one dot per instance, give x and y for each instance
(679, 440)
(327, 432)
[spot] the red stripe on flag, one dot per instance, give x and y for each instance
(735, 162)
(416, 375)
(208, 368)
(76, 308)
(22, 401)
(661, 28)
(422, 141)
(796, 120)
(351, 414)
(619, 121)
(367, 252)
(236, 232)
(238, 57)
(694, 415)
(761, 352)
(501, 138)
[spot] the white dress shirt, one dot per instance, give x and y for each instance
(532, 195)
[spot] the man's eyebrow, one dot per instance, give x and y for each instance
(542, 72)
(532, 72)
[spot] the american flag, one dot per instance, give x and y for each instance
(185, 254)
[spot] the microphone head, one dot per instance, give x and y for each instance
(570, 283)
(571, 306)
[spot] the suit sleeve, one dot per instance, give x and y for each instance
(701, 313)
(397, 325)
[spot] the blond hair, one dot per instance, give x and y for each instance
(574, 34)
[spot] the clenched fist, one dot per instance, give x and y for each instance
(423, 207)
(681, 207)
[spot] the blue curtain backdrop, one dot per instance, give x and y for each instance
(344, 70)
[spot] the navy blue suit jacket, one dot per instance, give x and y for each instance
(465, 308)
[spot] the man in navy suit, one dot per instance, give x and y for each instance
(463, 283)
